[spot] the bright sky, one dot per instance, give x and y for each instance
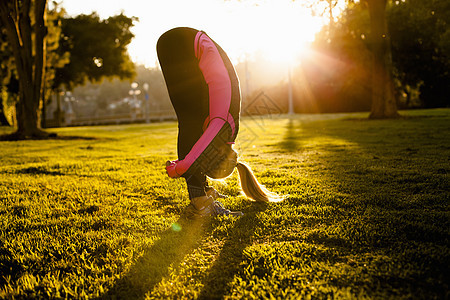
(278, 28)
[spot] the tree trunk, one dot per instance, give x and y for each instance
(43, 110)
(383, 99)
(58, 114)
(3, 120)
(28, 45)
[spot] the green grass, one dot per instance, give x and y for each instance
(367, 213)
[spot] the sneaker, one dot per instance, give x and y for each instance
(214, 209)
(192, 213)
(218, 209)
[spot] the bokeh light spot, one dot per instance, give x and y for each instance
(176, 227)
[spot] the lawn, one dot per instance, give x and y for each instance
(92, 214)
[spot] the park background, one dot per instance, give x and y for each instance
(307, 57)
(352, 126)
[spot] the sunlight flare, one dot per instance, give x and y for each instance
(288, 34)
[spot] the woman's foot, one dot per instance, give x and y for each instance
(202, 202)
(206, 206)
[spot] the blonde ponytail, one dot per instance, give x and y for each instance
(252, 188)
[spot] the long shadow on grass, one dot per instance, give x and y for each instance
(290, 139)
(177, 242)
(174, 244)
(388, 204)
(228, 263)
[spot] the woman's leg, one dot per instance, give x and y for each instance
(188, 134)
(196, 184)
(188, 93)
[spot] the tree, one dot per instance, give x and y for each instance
(384, 104)
(421, 48)
(8, 74)
(3, 120)
(339, 73)
(5, 73)
(54, 57)
(27, 30)
(25, 25)
(98, 49)
(105, 56)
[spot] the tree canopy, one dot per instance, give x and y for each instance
(420, 57)
(98, 48)
(39, 61)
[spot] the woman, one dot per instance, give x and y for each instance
(204, 91)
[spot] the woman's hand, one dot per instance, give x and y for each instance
(171, 169)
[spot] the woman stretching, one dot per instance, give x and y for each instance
(204, 91)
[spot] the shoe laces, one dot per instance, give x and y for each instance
(219, 209)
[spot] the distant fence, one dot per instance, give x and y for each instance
(71, 120)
